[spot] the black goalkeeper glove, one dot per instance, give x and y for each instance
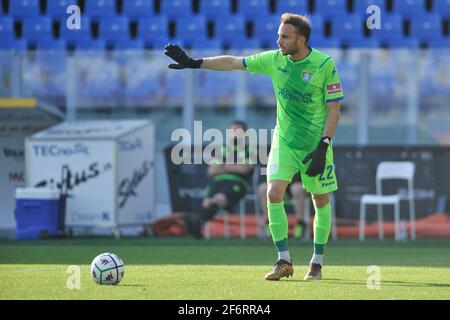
(182, 59)
(318, 157)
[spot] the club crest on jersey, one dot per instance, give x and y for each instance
(306, 76)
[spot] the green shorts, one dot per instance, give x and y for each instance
(284, 162)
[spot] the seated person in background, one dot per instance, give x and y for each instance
(297, 195)
(229, 181)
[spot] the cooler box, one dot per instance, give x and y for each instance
(37, 213)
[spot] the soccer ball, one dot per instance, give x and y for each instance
(107, 268)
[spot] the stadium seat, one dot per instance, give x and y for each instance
(11, 43)
(96, 9)
(265, 29)
(442, 7)
(24, 8)
(426, 27)
(37, 28)
(227, 28)
(329, 8)
(191, 28)
(391, 28)
(443, 43)
(243, 43)
(129, 44)
(57, 9)
(252, 8)
(135, 9)
(360, 43)
(212, 9)
(294, 6)
(90, 44)
(322, 42)
(174, 9)
(209, 44)
(114, 28)
(402, 43)
(347, 27)
(6, 27)
(51, 44)
(152, 29)
(317, 25)
(142, 80)
(74, 35)
(360, 6)
(409, 7)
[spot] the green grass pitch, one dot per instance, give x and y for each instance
(181, 268)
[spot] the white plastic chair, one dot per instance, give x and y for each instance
(402, 170)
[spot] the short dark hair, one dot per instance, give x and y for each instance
(239, 123)
(301, 23)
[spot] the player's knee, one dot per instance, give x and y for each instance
(275, 194)
(320, 201)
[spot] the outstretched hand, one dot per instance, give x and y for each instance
(182, 60)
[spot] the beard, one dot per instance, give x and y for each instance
(287, 52)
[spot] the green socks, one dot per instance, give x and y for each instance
(278, 224)
(322, 228)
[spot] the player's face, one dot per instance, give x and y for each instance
(288, 39)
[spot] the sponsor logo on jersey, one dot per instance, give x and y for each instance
(334, 88)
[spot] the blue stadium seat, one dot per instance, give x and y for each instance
(174, 9)
(360, 6)
(210, 90)
(426, 27)
(329, 8)
(442, 7)
(24, 8)
(391, 28)
(51, 44)
(74, 35)
(152, 29)
(96, 9)
(403, 43)
(135, 9)
(90, 44)
(102, 82)
(129, 44)
(265, 29)
(322, 42)
(191, 28)
(293, 6)
(11, 43)
(160, 43)
(242, 43)
(227, 28)
(114, 28)
(212, 9)
(6, 27)
(361, 42)
(209, 44)
(317, 25)
(37, 28)
(252, 8)
(409, 7)
(57, 9)
(347, 27)
(443, 43)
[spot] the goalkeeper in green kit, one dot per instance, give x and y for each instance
(308, 93)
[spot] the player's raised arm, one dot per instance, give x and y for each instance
(219, 63)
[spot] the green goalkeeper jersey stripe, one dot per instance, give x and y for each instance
(302, 90)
